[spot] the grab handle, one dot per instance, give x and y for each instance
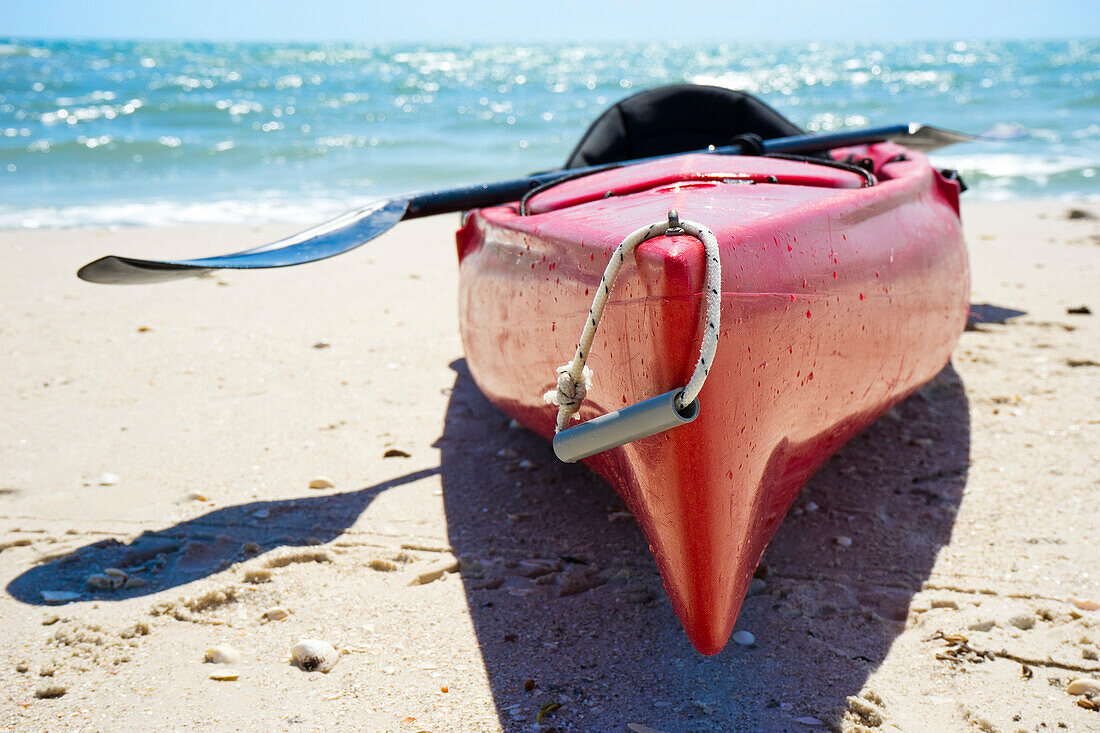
(620, 427)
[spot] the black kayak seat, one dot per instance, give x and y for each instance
(677, 118)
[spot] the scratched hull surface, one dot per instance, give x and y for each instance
(838, 301)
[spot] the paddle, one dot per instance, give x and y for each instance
(358, 227)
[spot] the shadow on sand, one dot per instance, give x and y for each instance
(202, 546)
(563, 591)
(568, 594)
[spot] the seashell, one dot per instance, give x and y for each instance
(107, 479)
(99, 582)
(322, 482)
(982, 625)
(225, 675)
(843, 541)
(59, 596)
(116, 577)
(222, 654)
(1083, 686)
(1085, 604)
(537, 567)
(809, 720)
(744, 638)
(314, 655)
(274, 614)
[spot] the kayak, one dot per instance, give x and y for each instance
(844, 287)
(743, 312)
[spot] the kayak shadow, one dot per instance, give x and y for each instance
(987, 313)
(569, 609)
(199, 547)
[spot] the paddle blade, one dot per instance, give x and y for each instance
(926, 138)
(334, 237)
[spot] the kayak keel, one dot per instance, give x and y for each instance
(620, 427)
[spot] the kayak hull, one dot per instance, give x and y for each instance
(839, 300)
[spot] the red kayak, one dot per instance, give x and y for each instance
(843, 289)
(804, 297)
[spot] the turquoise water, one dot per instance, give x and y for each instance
(101, 133)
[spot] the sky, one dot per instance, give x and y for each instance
(454, 21)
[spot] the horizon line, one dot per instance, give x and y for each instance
(543, 42)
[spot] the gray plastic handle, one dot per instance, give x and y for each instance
(620, 427)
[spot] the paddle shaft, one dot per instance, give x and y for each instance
(359, 227)
(490, 194)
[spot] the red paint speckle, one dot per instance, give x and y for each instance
(808, 314)
(861, 296)
(810, 375)
(835, 276)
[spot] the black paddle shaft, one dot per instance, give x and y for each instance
(490, 194)
(358, 227)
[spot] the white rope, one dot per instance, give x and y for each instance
(574, 378)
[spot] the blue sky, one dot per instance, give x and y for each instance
(375, 21)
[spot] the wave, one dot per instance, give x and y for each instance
(274, 210)
(1014, 165)
(992, 177)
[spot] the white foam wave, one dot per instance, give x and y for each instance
(1014, 165)
(175, 213)
(992, 176)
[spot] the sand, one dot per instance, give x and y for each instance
(173, 431)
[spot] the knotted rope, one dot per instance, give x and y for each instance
(574, 378)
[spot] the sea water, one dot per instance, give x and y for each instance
(118, 133)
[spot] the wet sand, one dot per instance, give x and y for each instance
(172, 432)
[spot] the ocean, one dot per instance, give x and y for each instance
(104, 133)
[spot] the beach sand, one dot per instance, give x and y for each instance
(173, 431)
